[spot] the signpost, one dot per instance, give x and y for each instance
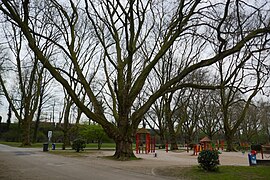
(49, 135)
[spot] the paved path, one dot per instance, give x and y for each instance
(33, 164)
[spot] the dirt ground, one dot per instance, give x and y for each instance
(149, 164)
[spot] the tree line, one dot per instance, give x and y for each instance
(176, 65)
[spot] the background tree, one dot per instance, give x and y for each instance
(66, 117)
(264, 119)
(24, 102)
(250, 125)
(44, 98)
(210, 118)
(190, 117)
(155, 120)
(245, 70)
(233, 103)
(94, 133)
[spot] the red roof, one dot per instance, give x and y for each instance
(205, 139)
(143, 131)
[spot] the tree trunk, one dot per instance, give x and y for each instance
(173, 141)
(9, 118)
(36, 130)
(172, 134)
(162, 138)
(168, 118)
(66, 141)
(229, 139)
(37, 121)
(99, 144)
(124, 150)
(26, 132)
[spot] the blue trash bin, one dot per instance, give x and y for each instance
(252, 159)
(53, 146)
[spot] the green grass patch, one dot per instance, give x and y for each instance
(59, 145)
(12, 144)
(71, 153)
(33, 145)
(224, 172)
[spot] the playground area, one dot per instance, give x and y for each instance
(184, 158)
(187, 156)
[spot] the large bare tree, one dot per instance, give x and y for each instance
(126, 34)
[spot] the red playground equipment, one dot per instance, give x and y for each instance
(144, 142)
(205, 143)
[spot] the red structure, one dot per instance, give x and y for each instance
(167, 147)
(144, 141)
(222, 144)
(197, 148)
(205, 142)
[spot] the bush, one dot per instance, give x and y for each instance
(209, 160)
(78, 144)
(41, 137)
(57, 136)
(11, 136)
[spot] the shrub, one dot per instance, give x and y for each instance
(11, 136)
(41, 137)
(78, 144)
(208, 160)
(57, 136)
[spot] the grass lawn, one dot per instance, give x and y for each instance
(225, 172)
(59, 145)
(72, 153)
